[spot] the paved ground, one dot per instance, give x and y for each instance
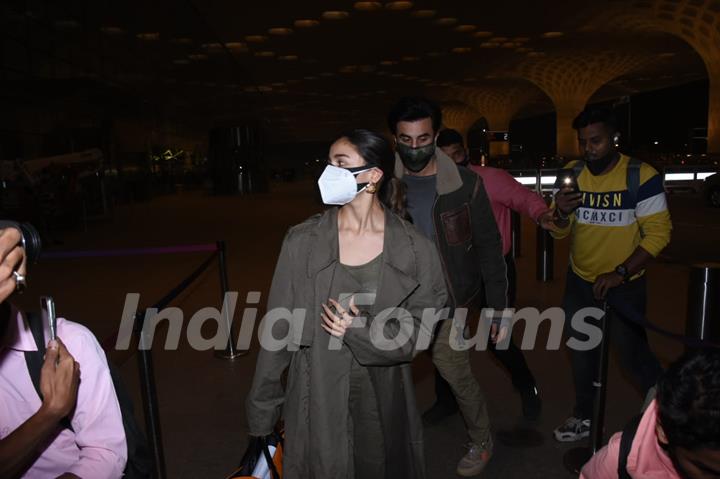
(201, 397)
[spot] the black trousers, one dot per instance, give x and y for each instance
(627, 338)
(512, 358)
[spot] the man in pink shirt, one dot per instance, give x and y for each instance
(506, 195)
(33, 441)
(679, 433)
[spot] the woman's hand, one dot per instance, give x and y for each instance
(337, 323)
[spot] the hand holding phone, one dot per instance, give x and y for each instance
(47, 306)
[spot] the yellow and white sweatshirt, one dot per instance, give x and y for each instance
(606, 228)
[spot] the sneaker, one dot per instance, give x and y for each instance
(573, 429)
(531, 403)
(438, 413)
(474, 461)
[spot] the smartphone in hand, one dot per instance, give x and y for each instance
(568, 180)
(47, 307)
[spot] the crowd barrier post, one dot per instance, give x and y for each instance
(230, 351)
(545, 256)
(703, 310)
(516, 232)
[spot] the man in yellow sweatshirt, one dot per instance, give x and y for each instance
(617, 222)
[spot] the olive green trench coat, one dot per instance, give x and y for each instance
(314, 404)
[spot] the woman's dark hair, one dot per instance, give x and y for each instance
(688, 396)
(376, 151)
(413, 108)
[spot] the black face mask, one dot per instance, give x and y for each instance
(415, 159)
(598, 166)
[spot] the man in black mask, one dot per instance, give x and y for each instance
(448, 203)
(614, 209)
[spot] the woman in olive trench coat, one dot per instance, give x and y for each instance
(315, 403)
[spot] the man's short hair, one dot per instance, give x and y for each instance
(592, 115)
(448, 137)
(688, 397)
(413, 108)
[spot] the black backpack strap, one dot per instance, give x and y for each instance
(626, 440)
(35, 359)
(633, 180)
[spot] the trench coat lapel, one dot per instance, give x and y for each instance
(397, 276)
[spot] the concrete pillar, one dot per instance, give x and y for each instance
(713, 134)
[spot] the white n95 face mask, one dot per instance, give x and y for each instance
(338, 185)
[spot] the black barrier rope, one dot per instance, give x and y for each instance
(145, 362)
(636, 317)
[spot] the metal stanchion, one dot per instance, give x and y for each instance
(516, 232)
(703, 311)
(230, 351)
(576, 458)
(545, 256)
(149, 397)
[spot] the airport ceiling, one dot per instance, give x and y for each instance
(311, 68)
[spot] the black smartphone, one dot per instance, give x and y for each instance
(568, 180)
(47, 306)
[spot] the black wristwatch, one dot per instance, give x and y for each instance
(622, 270)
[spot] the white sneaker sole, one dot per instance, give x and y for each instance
(566, 437)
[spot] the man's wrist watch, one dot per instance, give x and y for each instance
(622, 270)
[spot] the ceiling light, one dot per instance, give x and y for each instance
(151, 37)
(280, 31)
(424, 13)
(198, 56)
(536, 54)
(368, 6)
(436, 54)
(367, 68)
(181, 41)
(461, 50)
(305, 23)
(482, 34)
(236, 45)
(465, 28)
(264, 88)
(388, 63)
(327, 74)
(288, 58)
(310, 78)
(109, 30)
(521, 39)
(212, 47)
(278, 84)
(499, 39)
(523, 50)
(348, 69)
(509, 45)
(397, 6)
(255, 38)
(265, 54)
(446, 21)
(67, 24)
(335, 15)
(410, 58)
(552, 34)
(489, 45)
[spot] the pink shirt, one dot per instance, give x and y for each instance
(506, 194)
(97, 449)
(646, 460)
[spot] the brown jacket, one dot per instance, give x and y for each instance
(315, 402)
